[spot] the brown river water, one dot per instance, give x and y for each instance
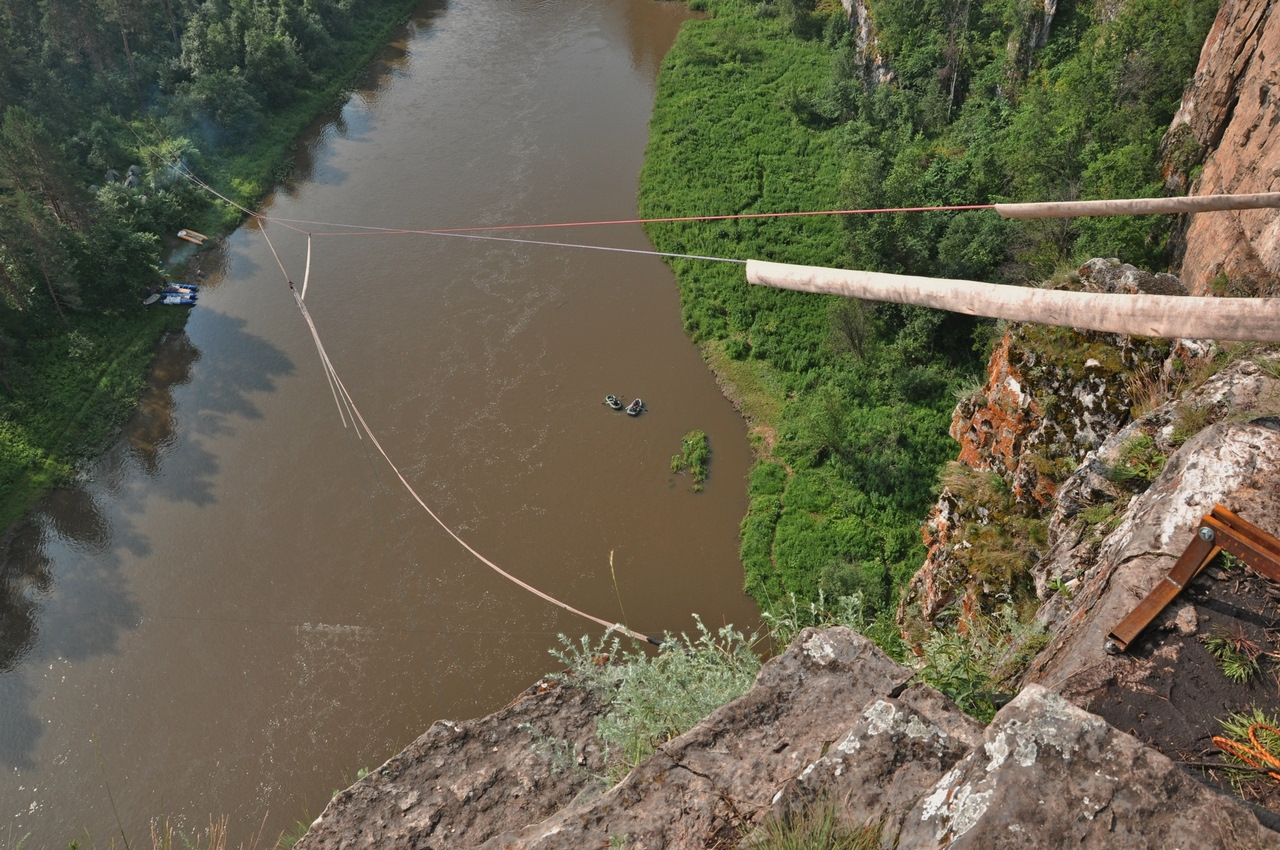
(236, 610)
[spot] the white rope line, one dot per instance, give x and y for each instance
(463, 543)
(588, 247)
(306, 275)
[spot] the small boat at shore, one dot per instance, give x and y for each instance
(613, 401)
(635, 407)
(192, 236)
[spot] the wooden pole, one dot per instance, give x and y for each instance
(1142, 206)
(1166, 316)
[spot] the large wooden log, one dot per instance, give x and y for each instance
(1168, 316)
(1141, 206)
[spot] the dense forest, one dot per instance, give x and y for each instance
(777, 106)
(104, 104)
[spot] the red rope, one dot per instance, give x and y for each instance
(603, 223)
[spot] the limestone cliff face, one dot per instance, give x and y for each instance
(1227, 121)
(876, 70)
(1033, 20)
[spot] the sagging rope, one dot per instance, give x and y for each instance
(349, 403)
(347, 409)
(1257, 755)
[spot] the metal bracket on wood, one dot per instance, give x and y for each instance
(1219, 530)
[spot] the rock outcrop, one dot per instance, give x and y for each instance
(830, 721)
(461, 783)
(875, 70)
(1234, 464)
(1226, 121)
(1051, 397)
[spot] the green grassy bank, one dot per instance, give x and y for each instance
(848, 408)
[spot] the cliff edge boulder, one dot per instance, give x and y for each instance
(833, 721)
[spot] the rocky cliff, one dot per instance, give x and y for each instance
(830, 722)
(1221, 141)
(1051, 397)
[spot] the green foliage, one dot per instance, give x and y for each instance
(652, 698)
(788, 617)
(1237, 654)
(222, 86)
(69, 393)
(1002, 547)
(694, 454)
(973, 120)
(972, 663)
(1138, 462)
(1106, 515)
(1064, 588)
(1190, 420)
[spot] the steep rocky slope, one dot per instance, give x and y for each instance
(1221, 141)
(830, 720)
(1112, 509)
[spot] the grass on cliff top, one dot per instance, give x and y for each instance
(652, 698)
(816, 827)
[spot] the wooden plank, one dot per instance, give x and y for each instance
(1142, 206)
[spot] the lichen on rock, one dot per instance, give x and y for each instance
(1053, 396)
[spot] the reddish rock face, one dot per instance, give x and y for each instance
(992, 435)
(1230, 109)
(1052, 396)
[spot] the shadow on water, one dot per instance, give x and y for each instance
(26, 576)
(246, 365)
(391, 62)
(149, 435)
(71, 607)
(63, 593)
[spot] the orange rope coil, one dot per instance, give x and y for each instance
(1255, 756)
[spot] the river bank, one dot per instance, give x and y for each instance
(71, 392)
(849, 435)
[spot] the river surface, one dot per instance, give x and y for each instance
(237, 609)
